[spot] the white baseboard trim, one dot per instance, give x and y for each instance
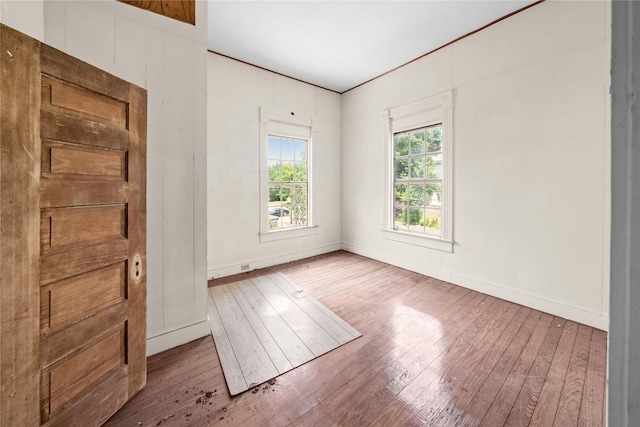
(556, 308)
(255, 264)
(171, 339)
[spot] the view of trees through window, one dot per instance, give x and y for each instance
(288, 181)
(417, 180)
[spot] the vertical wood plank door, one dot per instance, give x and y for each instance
(89, 165)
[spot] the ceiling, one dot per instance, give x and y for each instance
(340, 44)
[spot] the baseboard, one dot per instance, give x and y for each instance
(178, 337)
(556, 308)
(255, 264)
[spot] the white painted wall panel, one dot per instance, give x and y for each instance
(90, 34)
(236, 92)
(155, 177)
(177, 183)
(531, 151)
(127, 53)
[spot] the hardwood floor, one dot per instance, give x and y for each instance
(431, 353)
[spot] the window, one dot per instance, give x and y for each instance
(288, 185)
(417, 181)
(418, 202)
(285, 175)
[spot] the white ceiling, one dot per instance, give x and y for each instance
(341, 44)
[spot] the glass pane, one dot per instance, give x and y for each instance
(417, 142)
(275, 206)
(416, 195)
(299, 195)
(299, 205)
(434, 194)
(274, 170)
(434, 138)
(400, 194)
(401, 169)
(274, 195)
(417, 167)
(434, 166)
(285, 195)
(400, 218)
(433, 222)
(287, 171)
(300, 174)
(415, 220)
(273, 147)
(401, 143)
(300, 151)
(287, 146)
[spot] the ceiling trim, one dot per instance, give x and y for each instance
(391, 70)
(271, 71)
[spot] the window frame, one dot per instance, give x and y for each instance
(422, 113)
(287, 125)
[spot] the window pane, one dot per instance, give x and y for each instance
(434, 138)
(415, 220)
(299, 205)
(416, 195)
(300, 148)
(400, 194)
(300, 174)
(287, 146)
(417, 142)
(417, 167)
(273, 148)
(434, 194)
(274, 171)
(432, 222)
(400, 218)
(434, 166)
(401, 142)
(274, 195)
(287, 171)
(402, 169)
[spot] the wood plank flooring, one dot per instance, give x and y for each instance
(265, 326)
(431, 353)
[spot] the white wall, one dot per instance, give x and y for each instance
(531, 168)
(24, 16)
(168, 58)
(236, 92)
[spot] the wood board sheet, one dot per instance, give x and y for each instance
(265, 326)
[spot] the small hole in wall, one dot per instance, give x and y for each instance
(292, 113)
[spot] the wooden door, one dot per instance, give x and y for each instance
(73, 171)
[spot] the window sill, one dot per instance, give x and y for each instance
(418, 240)
(289, 233)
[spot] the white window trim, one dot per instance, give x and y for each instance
(273, 121)
(421, 113)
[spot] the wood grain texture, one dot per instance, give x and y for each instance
(93, 241)
(488, 358)
(75, 298)
(182, 10)
(266, 326)
(137, 237)
(19, 228)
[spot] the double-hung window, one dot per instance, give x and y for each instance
(286, 175)
(418, 205)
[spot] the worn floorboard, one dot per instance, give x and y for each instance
(431, 353)
(266, 326)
